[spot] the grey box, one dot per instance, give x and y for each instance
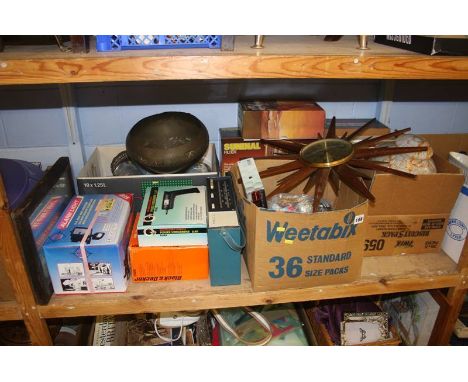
(96, 176)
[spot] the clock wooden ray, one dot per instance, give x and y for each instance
(332, 159)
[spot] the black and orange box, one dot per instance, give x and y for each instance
(150, 264)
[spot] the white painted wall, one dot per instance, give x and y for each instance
(430, 117)
(39, 132)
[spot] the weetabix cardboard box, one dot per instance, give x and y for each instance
(166, 263)
(410, 215)
(292, 250)
(281, 119)
(235, 148)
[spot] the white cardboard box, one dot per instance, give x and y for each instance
(96, 176)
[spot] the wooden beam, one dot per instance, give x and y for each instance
(14, 266)
(283, 57)
(113, 69)
(9, 311)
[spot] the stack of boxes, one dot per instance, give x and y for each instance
(190, 232)
(292, 250)
(171, 235)
(169, 238)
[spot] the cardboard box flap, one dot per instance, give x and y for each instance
(428, 193)
(442, 144)
(403, 196)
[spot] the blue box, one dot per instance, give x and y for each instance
(110, 43)
(225, 237)
(225, 255)
(86, 250)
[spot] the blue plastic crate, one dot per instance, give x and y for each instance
(109, 43)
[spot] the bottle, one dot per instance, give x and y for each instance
(455, 234)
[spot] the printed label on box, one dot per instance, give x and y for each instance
(392, 235)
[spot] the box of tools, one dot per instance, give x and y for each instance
(86, 250)
(225, 237)
(173, 216)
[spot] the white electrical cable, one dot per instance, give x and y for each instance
(166, 339)
(194, 314)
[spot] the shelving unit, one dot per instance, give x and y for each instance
(284, 57)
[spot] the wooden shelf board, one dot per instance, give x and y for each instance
(9, 311)
(380, 275)
(283, 57)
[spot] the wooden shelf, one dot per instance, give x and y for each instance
(282, 57)
(10, 311)
(380, 275)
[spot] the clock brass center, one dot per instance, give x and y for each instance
(329, 152)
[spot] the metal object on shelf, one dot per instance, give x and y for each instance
(168, 142)
(258, 44)
(363, 39)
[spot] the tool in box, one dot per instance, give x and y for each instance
(170, 196)
(185, 225)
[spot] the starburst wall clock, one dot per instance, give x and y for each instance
(333, 159)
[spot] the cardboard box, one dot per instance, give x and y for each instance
(410, 215)
(432, 45)
(86, 250)
(96, 176)
(173, 216)
(235, 148)
(166, 263)
(280, 119)
(292, 250)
